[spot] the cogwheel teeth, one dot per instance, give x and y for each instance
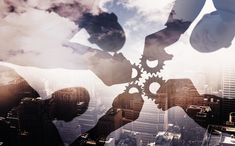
(151, 70)
(139, 73)
(135, 86)
(148, 82)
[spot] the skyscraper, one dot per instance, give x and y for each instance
(228, 103)
(229, 81)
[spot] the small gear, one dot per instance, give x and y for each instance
(138, 70)
(151, 70)
(148, 82)
(134, 85)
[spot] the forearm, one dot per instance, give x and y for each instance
(186, 10)
(182, 15)
(111, 69)
(99, 131)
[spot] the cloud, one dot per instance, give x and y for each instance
(35, 34)
(21, 6)
(37, 31)
(139, 19)
(32, 36)
(36, 38)
(151, 10)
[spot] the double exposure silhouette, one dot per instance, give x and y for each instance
(27, 119)
(35, 116)
(203, 109)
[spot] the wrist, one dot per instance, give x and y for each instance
(178, 26)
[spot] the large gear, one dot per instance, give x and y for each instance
(148, 82)
(134, 85)
(151, 70)
(138, 70)
(161, 56)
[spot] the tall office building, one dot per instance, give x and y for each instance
(229, 81)
(228, 102)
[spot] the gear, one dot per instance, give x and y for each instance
(151, 70)
(138, 70)
(148, 82)
(134, 85)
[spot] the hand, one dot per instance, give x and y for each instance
(111, 69)
(126, 108)
(212, 33)
(177, 92)
(157, 42)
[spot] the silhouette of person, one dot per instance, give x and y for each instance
(213, 32)
(34, 116)
(65, 105)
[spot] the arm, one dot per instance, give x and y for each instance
(14, 89)
(203, 109)
(184, 12)
(111, 69)
(115, 117)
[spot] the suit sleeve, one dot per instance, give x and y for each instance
(187, 10)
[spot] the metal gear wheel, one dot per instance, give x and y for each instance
(151, 70)
(148, 82)
(139, 73)
(134, 85)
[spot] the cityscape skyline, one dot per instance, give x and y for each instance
(173, 116)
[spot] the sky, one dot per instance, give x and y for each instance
(33, 39)
(29, 38)
(31, 42)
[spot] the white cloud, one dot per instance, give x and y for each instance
(151, 10)
(36, 38)
(82, 38)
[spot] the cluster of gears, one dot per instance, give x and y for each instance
(153, 76)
